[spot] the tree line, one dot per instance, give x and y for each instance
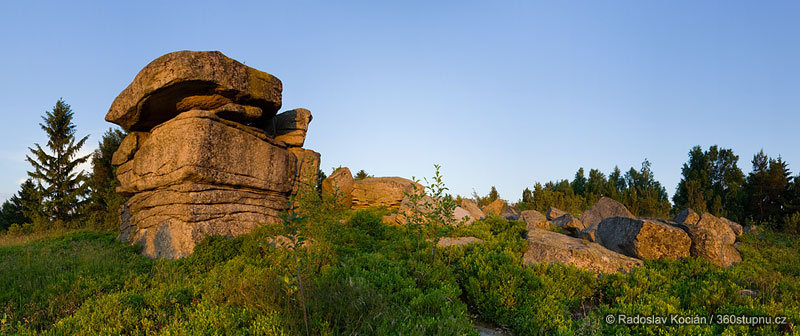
(59, 195)
(711, 182)
(636, 189)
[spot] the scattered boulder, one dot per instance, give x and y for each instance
(553, 213)
(687, 216)
(589, 234)
(187, 80)
(712, 240)
(339, 185)
(496, 208)
(737, 228)
(424, 205)
(510, 214)
(458, 241)
(381, 191)
(484, 329)
(394, 219)
(552, 247)
(643, 238)
(290, 126)
(460, 214)
(752, 228)
(473, 209)
(604, 208)
(570, 223)
(534, 219)
(747, 293)
(193, 163)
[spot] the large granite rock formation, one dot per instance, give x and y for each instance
(198, 160)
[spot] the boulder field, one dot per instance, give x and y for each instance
(606, 238)
(607, 232)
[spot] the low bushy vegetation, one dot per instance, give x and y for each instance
(353, 274)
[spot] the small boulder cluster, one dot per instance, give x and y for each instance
(391, 193)
(607, 238)
(206, 153)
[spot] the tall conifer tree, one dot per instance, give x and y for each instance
(63, 187)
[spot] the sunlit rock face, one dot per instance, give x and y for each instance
(206, 153)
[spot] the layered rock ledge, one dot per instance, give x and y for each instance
(199, 159)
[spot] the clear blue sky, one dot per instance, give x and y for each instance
(498, 93)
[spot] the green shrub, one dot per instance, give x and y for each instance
(791, 223)
(14, 230)
(370, 294)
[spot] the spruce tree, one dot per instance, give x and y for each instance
(493, 195)
(579, 183)
(11, 213)
(361, 175)
(527, 196)
(596, 187)
(104, 201)
(63, 187)
(20, 208)
(616, 184)
(758, 193)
